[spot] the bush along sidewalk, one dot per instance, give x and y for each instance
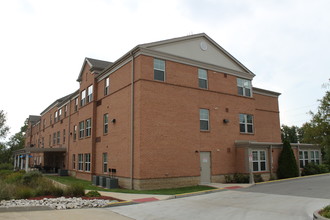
(312, 169)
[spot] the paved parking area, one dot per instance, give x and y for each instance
(311, 186)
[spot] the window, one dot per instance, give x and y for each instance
(244, 87)
(73, 161)
(105, 126)
(58, 137)
(54, 138)
(88, 127)
(106, 86)
(90, 93)
(315, 156)
(55, 117)
(87, 162)
(50, 119)
(65, 110)
(63, 136)
(80, 162)
(50, 140)
(204, 119)
(259, 160)
(303, 158)
(83, 98)
(44, 124)
(246, 123)
(76, 104)
(81, 129)
(105, 162)
(202, 78)
(159, 70)
(75, 132)
(42, 142)
(59, 114)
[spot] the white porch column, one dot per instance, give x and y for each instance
(26, 162)
(21, 162)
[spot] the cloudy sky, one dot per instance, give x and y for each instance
(43, 44)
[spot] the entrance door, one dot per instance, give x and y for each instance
(205, 167)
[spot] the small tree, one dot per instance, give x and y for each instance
(287, 165)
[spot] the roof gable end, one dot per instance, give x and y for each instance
(199, 47)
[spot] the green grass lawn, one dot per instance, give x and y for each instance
(88, 185)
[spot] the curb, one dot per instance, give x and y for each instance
(176, 196)
(116, 204)
(293, 178)
(25, 208)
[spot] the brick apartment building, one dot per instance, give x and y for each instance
(176, 112)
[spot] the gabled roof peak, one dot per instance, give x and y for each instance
(95, 65)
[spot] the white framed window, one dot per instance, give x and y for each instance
(63, 136)
(87, 162)
(159, 70)
(315, 156)
(75, 132)
(259, 160)
(83, 98)
(244, 87)
(55, 116)
(202, 78)
(88, 127)
(90, 93)
(58, 137)
(105, 162)
(80, 162)
(204, 119)
(65, 110)
(106, 86)
(303, 158)
(54, 138)
(76, 103)
(59, 114)
(105, 123)
(81, 129)
(73, 161)
(246, 123)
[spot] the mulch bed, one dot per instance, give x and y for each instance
(83, 197)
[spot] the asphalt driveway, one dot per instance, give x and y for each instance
(311, 186)
(290, 199)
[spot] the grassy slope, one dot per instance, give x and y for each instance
(88, 185)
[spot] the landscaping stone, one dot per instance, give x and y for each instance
(58, 203)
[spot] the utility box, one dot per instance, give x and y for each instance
(111, 183)
(96, 181)
(102, 181)
(63, 172)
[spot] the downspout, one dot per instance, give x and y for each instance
(69, 138)
(271, 160)
(132, 124)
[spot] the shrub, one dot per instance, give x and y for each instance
(6, 166)
(6, 191)
(46, 187)
(312, 169)
(75, 190)
(31, 178)
(5, 173)
(325, 212)
(258, 178)
(93, 193)
(228, 179)
(241, 178)
(23, 192)
(287, 165)
(14, 178)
